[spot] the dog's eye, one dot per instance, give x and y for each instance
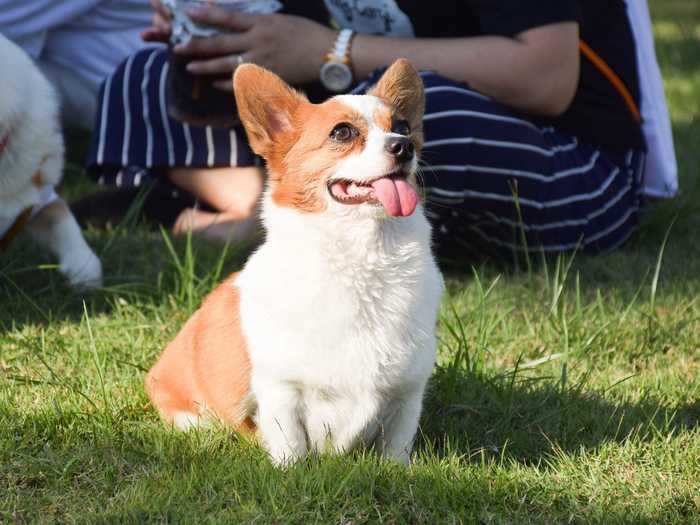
(343, 132)
(401, 127)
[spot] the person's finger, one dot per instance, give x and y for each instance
(221, 44)
(161, 17)
(214, 66)
(161, 26)
(223, 85)
(154, 34)
(161, 22)
(216, 16)
(160, 9)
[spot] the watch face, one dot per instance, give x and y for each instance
(336, 77)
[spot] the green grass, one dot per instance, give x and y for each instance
(567, 394)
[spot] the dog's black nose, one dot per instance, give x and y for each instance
(400, 147)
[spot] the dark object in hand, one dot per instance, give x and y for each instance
(194, 99)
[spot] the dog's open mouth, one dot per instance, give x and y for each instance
(393, 191)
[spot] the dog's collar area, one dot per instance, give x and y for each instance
(16, 227)
(24, 216)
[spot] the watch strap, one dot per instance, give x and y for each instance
(341, 48)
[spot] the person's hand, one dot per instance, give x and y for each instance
(160, 29)
(290, 46)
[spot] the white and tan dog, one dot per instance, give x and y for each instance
(326, 339)
(31, 165)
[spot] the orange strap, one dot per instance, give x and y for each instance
(16, 227)
(612, 77)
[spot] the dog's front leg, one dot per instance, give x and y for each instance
(55, 227)
(342, 423)
(396, 437)
(279, 422)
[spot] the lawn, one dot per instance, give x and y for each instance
(569, 392)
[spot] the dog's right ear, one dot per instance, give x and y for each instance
(401, 87)
(266, 106)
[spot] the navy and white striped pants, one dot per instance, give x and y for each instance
(492, 179)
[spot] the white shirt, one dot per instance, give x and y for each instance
(89, 37)
(661, 169)
(371, 17)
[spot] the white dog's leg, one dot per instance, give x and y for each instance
(396, 438)
(279, 423)
(55, 227)
(340, 424)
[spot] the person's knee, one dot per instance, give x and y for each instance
(234, 190)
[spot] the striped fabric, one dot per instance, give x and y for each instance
(134, 128)
(492, 179)
(497, 178)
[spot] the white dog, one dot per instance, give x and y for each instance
(31, 165)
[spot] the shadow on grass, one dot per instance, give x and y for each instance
(530, 419)
(69, 465)
(138, 267)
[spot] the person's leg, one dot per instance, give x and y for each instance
(496, 180)
(233, 192)
(215, 166)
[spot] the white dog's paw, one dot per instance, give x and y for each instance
(83, 270)
(284, 454)
(283, 459)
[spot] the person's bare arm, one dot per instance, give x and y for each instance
(536, 72)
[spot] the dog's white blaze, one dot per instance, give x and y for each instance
(373, 160)
(365, 105)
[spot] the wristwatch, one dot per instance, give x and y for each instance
(336, 75)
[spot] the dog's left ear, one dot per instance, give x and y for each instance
(402, 88)
(266, 106)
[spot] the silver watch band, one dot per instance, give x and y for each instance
(342, 45)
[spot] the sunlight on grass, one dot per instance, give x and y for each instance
(672, 32)
(684, 104)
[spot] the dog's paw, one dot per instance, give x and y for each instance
(283, 460)
(83, 271)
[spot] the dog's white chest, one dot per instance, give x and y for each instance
(347, 334)
(317, 317)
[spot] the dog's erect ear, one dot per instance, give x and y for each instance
(266, 105)
(402, 88)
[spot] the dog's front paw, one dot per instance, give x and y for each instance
(284, 453)
(83, 271)
(283, 458)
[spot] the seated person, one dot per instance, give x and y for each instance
(529, 145)
(76, 44)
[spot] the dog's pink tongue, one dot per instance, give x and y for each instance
(397, 196)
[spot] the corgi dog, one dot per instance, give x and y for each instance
(326, 339)
(31, 165)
